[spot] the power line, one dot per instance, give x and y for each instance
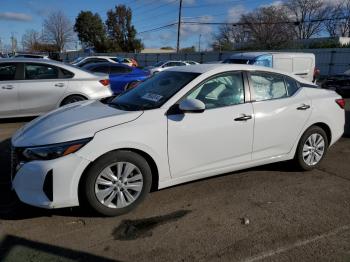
(157, 28)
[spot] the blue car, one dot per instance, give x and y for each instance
(121, 77)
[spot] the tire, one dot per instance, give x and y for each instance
(72, 99)
(308, 156)
(107, 198)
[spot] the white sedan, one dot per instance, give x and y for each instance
(31, 87)
(183, 124)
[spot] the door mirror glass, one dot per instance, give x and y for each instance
(192, 106)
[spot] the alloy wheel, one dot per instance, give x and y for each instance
(119, 185)
(313, 149)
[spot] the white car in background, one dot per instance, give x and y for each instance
(162, 65)
(31, 87)
(186, 123)
(81, 61)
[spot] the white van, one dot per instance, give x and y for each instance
(300, 64)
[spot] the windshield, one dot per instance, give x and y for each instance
(154, 92)
(77, 60)
(159, 64)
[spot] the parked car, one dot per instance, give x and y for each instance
(31, 56)
(121, 76)
(82, 61)
(162, 65)
(339, 83)
(31, 87)
(300, 64)
(186, 123)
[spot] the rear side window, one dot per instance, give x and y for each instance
(66, 74)
(292, 86)
(7, 72)
(267, 86)
(101, 69)
(40, 71)
(120, 70)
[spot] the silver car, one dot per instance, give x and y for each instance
(162, 65)
(31, 87)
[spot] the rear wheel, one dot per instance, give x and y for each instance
(117, 183)
(312, 148)
(72, 99)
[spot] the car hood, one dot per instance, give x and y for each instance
(72, 122)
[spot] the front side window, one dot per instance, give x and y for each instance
(220, 91)
(267, 86)
(40, 71)
(153, 92)
(7, 72)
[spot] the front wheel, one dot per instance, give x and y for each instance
(117, 182)
(312, 148)
(72, 99)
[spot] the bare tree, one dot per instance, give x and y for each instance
(269, 27)
(228, 35)
(309, 15)
(30, 40)
(339, 19)
(58, 30)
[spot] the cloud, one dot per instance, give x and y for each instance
(15, 16)
(235, 13)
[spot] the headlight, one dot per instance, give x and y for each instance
(54, 151)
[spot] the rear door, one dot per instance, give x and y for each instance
(281, 110)
(42, 88)
(9, 105)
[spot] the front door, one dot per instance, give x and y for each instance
(216, 139)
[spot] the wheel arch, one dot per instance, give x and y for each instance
(146, 156)
(69, 95)
(326, 128)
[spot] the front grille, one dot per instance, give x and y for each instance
(16, 160)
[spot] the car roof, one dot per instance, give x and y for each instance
(46, 61)
(107, 64)
(252, 55)
(204, 68)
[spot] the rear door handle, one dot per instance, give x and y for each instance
(59, 85)
(8, 87)
(243, 118)
(303, 107)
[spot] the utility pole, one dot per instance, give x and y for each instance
(179, 28)
(199, 43)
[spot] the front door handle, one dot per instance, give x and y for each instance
(243, 118)
(303, 107)
(59, 85)
(8, 87)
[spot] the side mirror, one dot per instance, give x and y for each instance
(192, 106)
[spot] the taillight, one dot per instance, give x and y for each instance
(104, 82)
(340, 102)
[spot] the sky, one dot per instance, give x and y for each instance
(17, 16)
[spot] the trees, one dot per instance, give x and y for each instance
(269, 27)
(121, 31)
(230, 34)
(58, 30)
(91, 31)
(30, 40)
(340, 24)
(309, 15)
